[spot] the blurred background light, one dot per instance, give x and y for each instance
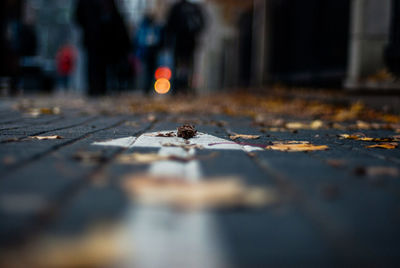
(163, 72)
(162, 86)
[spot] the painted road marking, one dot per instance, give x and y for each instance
(161, 237)
(150, 140)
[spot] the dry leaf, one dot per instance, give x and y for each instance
(337, 163)
(316, 124)
(392, 145)
(151, 118)
(131, 124)
(296, 146)
(9, 160)
(193, 195)
(377, 171)
(244, 136)
(296, 125)
(54, 137)
(39, 111)
(89, 157)
(382, 171)
(148, 158)
(361, 137)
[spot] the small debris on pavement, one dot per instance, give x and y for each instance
(184, 146)
(11, 140)
(376, 171)
(336, 163)
(89, 157)
(54, 137)
(168, 134)
(330, 192)
(187, 131)
(9, 160)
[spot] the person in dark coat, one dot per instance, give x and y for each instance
(185, 22)
(105, 38)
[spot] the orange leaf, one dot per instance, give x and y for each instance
(389, 146)
(296, 147)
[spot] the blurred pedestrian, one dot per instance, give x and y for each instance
(105, 38)
(65, 62)
(184, 24)
(148, 42)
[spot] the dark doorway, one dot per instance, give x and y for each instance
(309, 41)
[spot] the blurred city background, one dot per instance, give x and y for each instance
(239, 44)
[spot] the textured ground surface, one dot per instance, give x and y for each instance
(334, 206)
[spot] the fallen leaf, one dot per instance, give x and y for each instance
(131, 124)
(39, 111)
(9, 160)
(54, 137)
(316, 124)
(376, 171)
(151, 118)
(11, 140)
(90, 157)
(392, 145)
(383, 171)
(360, 137)
(296, 125)
(244, 136)
(148, 158)
(337, 163)
(213, 193)
(296, 146)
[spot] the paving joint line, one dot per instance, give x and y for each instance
(45, 218)
(51, 130)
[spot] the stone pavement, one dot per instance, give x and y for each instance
(328, 177)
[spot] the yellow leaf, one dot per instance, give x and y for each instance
(389, 146)
(139, 158)
(296, 125)
(244, 136)
(316, 124)
(362, 138)
(296, 147)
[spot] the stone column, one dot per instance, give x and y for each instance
(369, 32)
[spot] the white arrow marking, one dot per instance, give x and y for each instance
(150, 140)
(166, 238)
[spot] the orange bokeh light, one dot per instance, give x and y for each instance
(162, 86)
(163, 72)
